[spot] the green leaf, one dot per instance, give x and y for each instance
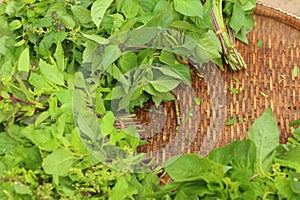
(7, 143)
(130, 8)
(82, 14)
(16, 24)
(59, 162)
(38, 81)
(96, 38)
(20, 188)
(285, 156)
(295, 182)
(167, 57)
(123, 189)
(41, 118)
(191, 167)
(51, 73)
(286, 185)
(24, 61)
(234, 90)
(231, 121)
(183, 25)
(184, 72)
(67, 20)
(42, 138)
(59, 56)
(128, 61)
(107, 123)
(31, 156)
(98, 10)
(260, 43)
(295, 71)
(295, 123)
(165, 85)
(265, 135)
(189, 7)
(197, 101)
(238, 19)
(239, 155)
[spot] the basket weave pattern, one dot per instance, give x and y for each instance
(269, 72)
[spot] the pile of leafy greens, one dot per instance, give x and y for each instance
(257, 168)
(42, 46)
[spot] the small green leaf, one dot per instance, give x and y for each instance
(197, 100)
(260, 43)
(234, 90)
(16, 24)
(191, 8)
(98, 10)
(295, 71)
(24, 61)
(231, 121)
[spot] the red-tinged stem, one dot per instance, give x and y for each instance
(17, 100)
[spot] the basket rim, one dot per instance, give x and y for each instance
(278, 14)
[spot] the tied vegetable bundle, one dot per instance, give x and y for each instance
(238, 16)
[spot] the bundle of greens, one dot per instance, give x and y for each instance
(238, 21)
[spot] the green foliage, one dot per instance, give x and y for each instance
(238, 15)
(43, 44)
(234, 171)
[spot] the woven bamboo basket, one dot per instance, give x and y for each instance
(269, 73)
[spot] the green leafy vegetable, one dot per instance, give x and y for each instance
(265, 135)
(48, 49)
